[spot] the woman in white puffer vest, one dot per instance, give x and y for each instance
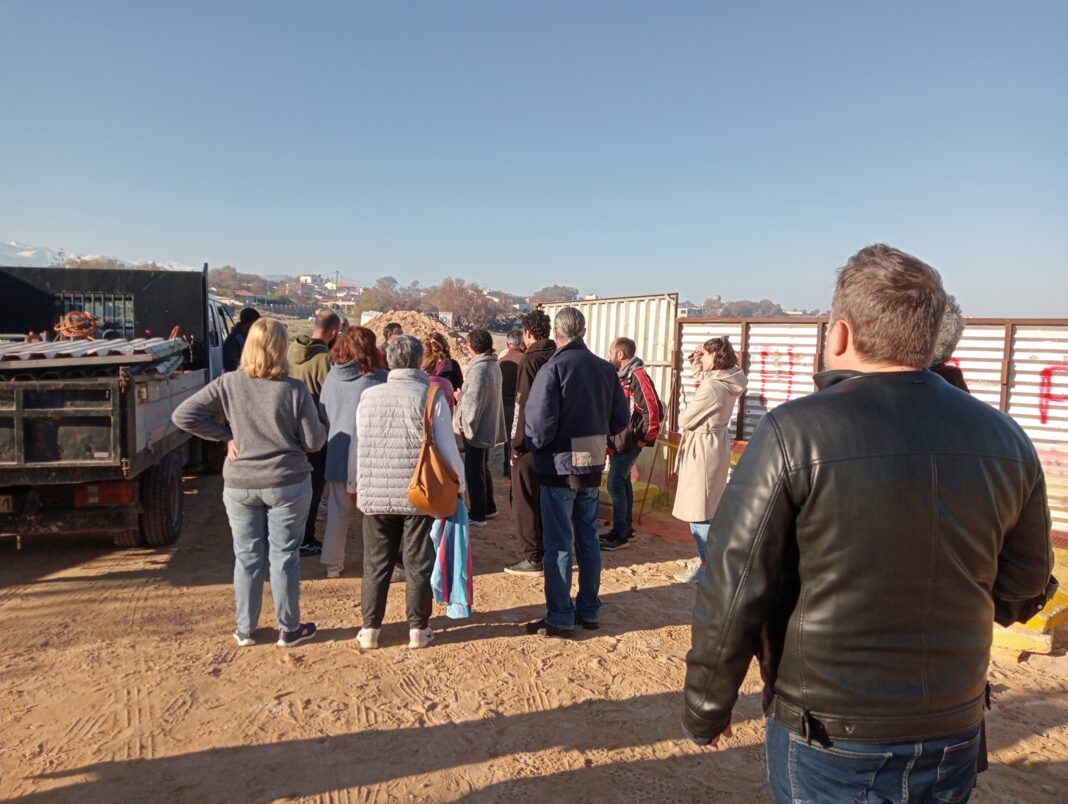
(389, 434)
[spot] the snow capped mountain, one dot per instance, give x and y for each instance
(15, 253)
(19, 254)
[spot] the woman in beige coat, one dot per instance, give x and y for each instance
(705, 451)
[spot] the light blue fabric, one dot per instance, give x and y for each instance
(267, 522)
(451, 578)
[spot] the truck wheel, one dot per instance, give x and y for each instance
(128, 538)
(161, 498)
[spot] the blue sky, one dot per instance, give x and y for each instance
(743, 149)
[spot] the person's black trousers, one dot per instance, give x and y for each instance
(526, 508)
(479, 482)
(318, 479)
(385, 537)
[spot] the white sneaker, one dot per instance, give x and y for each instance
(367, 638)
(692, 573)
(420, 637)
(244, 641)
(334, 570)
(494, 515)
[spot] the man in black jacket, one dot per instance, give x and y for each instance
(526, 491)
(870, 535)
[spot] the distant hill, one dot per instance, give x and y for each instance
(15, 253)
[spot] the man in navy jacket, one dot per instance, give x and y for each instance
(575, 404)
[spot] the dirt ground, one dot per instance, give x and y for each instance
(119, 681)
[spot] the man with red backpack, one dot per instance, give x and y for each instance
(646, 419)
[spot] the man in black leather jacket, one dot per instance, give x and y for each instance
(868, 537)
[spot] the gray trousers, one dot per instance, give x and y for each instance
(385, 536)
(339, 511)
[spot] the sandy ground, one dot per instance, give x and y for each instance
(119, 681)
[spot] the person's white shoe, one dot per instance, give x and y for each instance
(334, 570)
(692, 573)
(420, 637)
(367, 638)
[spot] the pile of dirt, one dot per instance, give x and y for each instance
(422, 326)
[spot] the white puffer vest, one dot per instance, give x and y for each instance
(390, 424)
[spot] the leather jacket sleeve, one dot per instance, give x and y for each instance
(1025, 562)
(750, 539)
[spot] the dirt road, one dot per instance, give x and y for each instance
(119, 681)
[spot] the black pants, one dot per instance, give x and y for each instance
(509, 417)
(318, 480)
(385, 537)
(526, 508)
(479, 482)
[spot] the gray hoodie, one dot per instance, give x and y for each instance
(481, 409)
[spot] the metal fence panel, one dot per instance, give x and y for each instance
(647, 320)
(1026, 374)
(782, 360)
(979, 356)
(1038, 400)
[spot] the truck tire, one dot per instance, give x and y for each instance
(128, 538)
(161, 499)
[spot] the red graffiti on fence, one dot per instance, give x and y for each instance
(1045, 391)
(776, 373)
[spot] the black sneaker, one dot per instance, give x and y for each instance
(589, 625)
(526, 567)
(311, 550)
(614, 542)
(542, 628)
(290, 639)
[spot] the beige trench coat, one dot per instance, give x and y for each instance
(705, 451)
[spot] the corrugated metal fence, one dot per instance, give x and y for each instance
(648, 320)
(1019, 366)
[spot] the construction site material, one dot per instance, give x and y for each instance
(422, 326)
(90, 353)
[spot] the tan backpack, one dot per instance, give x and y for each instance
(434, 488)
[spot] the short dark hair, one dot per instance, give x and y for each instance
(625, 345)
(248, 316)
(893, 303)
(391, 329)
(538, 324)
(480, 340)
(326, 320)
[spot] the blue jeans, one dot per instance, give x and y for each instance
(942, 769)
(699, 531)
(267, 522)
(562, 510)
(622, 491)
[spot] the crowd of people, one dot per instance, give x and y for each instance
(869, 535)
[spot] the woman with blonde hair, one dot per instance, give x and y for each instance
(705, 449)
(271, 423)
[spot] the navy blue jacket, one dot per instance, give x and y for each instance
(575, 403)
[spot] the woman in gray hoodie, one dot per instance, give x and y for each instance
(704, 458)
(357, 365)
